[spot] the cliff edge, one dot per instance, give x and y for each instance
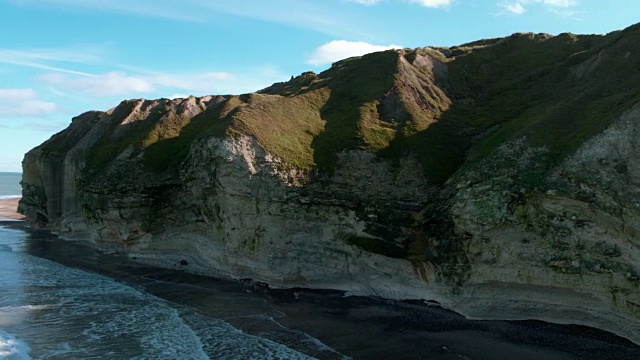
(500, 178)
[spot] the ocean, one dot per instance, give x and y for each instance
(60, 300)
(10, 184)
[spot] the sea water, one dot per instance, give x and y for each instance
(50, 311)
(10, 184)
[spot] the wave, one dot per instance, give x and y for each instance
(11, 348)
(76, 315)
(223, 341)
(10, 197)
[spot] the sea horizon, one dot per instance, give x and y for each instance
(10, 185)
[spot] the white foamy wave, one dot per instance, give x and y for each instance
(223, 341)
(11, 315)
(159, 330)
(10, 197)
(86, 315)
(13, 349)
(73, 314)
(24, 308)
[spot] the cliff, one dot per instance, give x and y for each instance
(500, 178)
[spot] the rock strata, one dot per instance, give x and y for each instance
(500, 178)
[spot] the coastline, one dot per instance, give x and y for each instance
(351, 326)
(9, 208)
(370, 326)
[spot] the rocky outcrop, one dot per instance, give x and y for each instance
(499, 178)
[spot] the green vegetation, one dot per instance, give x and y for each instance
(447, 107)
(163, 153)
(285, 126)
(164, 135)
(121, 136)
(356, 86)
(63, 141)
(529, 86)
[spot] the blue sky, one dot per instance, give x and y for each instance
(59, 58)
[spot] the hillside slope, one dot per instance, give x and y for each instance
(500, 178)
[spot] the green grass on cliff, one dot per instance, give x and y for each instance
(350, 114)
(166, 153)
(310, 119)
(534, 89)
(305, 122)
(555, 91)
(164, 137)
(284, 126)
(118, 137)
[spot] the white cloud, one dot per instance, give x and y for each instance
(432, 3)
(301, 14)
(42, 58)
(117, 83)
(341, 49)
(153, 84)
(515, 8)
(560, 3)
(111, 83)
(519, 7)
(23, 102)
(77, 54)
(364, 2)
(155, 8)
(314, 15)
(426, 3)
(196, 82)
(178, 96)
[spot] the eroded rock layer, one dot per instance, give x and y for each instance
(500, 178)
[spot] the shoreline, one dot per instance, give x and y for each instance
(9, 208)
(369, 325)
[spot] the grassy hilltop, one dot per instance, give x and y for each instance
(447, 106)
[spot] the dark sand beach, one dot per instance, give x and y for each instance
(328, 325)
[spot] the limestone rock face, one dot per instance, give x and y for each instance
(561, 253)
(500, 178)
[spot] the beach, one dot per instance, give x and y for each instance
(9, 208)
(103, 303)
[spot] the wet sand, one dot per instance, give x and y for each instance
(358, 327)
(9, 209)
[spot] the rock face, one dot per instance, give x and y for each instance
(500, 178)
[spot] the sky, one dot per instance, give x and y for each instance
(60, 58)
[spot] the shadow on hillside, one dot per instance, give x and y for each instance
(440, 149)
(353, 87)
(167, 154)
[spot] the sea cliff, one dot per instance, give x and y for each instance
(500, 178)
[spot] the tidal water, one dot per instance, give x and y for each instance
(10, 184)
(52, 311)
(61, 300)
